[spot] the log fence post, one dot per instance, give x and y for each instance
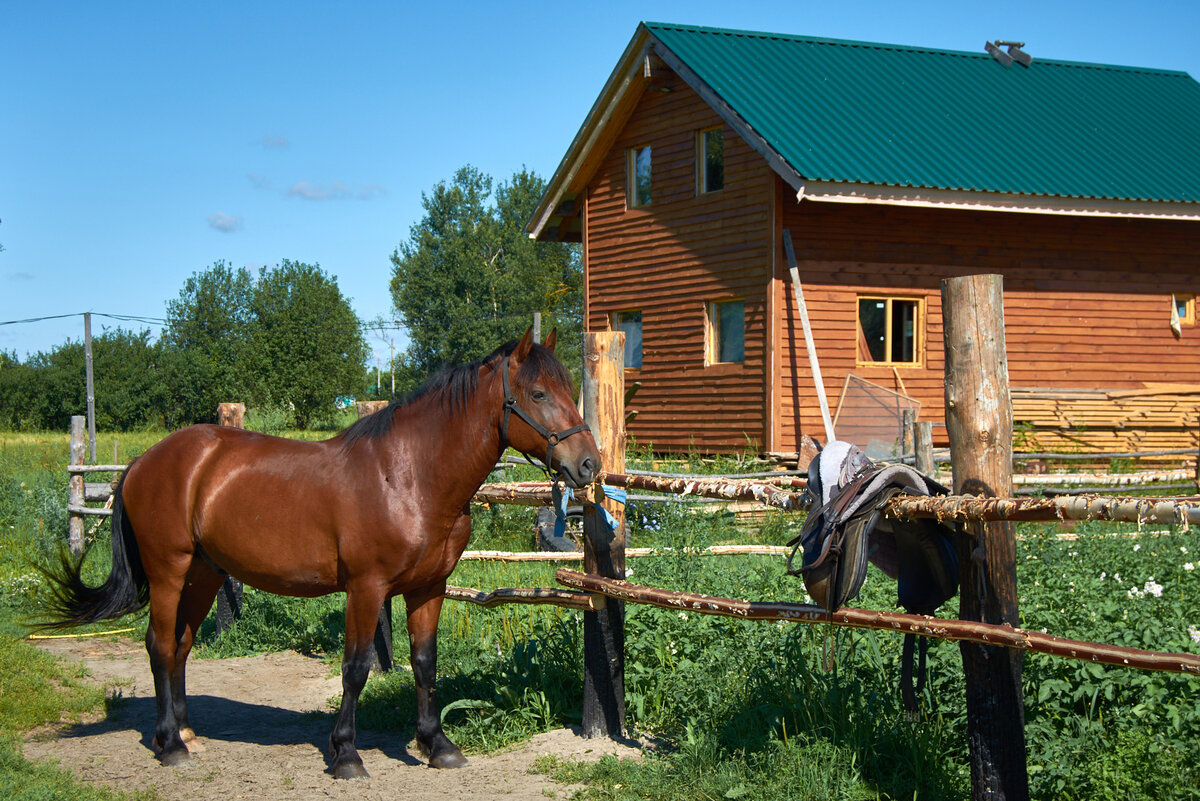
(923, 447)
(75, 491)
(979, 422)
(603, 395)
(230, 596)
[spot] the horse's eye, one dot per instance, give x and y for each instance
(538, 395)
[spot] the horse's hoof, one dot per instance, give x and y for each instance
(175, 758)
(450, 759)
(350, 770)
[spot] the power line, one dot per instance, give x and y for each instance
(120, 317)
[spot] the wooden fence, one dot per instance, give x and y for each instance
(979, 422)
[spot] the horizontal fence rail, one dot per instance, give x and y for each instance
(570, 599)
(1183, 511)
(940, 628)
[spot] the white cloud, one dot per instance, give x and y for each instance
(258, 181)
(272, 142)
(226, 223)
(338, 190)
(21, 276)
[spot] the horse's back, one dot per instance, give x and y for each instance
(251, 504)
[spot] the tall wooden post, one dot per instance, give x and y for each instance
(603, 395)
(75, 488)
(91, 385)
(229, 597)
(979, 421)
(923, 447)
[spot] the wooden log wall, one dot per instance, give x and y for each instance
(669, 258)
(1087, 301)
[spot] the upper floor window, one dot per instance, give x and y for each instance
(631, 323)
(710, 160)
(726, 332)
(637, 169)
(1185, 307)
(889, 330)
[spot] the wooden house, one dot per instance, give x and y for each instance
(891, 168)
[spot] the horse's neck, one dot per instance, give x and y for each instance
(465, 444)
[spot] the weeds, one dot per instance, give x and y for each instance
(747, 709)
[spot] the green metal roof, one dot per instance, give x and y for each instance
(859, 112)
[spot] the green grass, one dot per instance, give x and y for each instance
(40, 690)
(745, 709)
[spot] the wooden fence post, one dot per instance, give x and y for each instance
(229, 597)
(603, 395)
(75, 491)
(908, 419)
(923, 447)
(979, 422)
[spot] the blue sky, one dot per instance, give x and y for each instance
(142, 141)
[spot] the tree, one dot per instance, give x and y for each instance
(204, 344)
(287, 338)
(469, 278)
(306, 343)
(50, 387)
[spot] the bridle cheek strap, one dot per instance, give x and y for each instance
(552, 437)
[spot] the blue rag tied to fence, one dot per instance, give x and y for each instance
(561, 496)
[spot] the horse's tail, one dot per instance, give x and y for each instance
(72, 602)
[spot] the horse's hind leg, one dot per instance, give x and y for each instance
(199, 590)
(362, 614)
(424, 608)
(177, 607)
(161, 646)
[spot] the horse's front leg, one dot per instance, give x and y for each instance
(362, 614)
(424, 608)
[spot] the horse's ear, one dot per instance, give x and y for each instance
(521, 352)
(551, 340)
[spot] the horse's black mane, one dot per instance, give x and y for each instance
(454, 384)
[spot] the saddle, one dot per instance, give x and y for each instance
(847, 529)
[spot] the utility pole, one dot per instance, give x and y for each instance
(392, 370)
(91, 387)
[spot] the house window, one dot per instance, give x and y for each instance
(727, 332)
(710, 160)
(889, 330)
(631, 323)
(1185, 307)
(638, 177)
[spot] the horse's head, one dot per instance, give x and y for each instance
(540, 417)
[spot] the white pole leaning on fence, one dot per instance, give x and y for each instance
(808, 337)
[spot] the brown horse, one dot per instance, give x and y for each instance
(382, 509)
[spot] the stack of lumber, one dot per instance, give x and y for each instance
(1155, 417)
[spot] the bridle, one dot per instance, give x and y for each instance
(552, 437)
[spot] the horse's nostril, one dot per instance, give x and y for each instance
(589, 467)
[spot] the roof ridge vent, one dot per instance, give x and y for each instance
(1015, 53)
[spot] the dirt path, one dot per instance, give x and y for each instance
(253, 718)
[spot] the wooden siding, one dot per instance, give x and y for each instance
(668, 259)
(1087, 301)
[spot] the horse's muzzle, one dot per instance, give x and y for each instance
(579, 473)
